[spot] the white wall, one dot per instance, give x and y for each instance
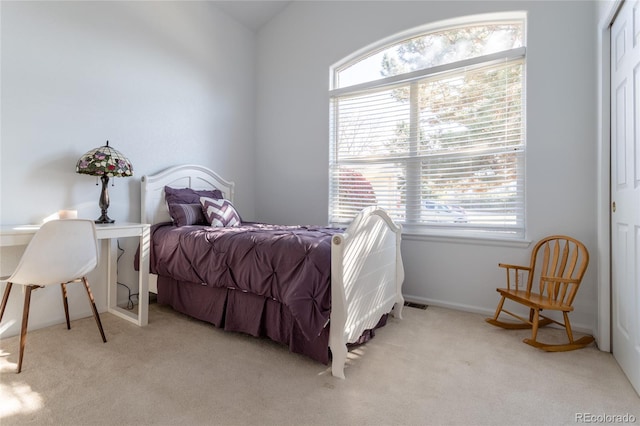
(295, 51)
(171, 83)
(165, 82)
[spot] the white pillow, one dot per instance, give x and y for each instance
(219, 212)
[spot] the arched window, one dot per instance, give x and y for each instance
(433, 126)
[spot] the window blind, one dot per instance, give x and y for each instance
(442, 150)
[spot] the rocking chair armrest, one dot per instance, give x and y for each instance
(509, 266)
(515, 274)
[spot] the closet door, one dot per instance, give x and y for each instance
(625, 189)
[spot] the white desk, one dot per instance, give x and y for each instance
(16, 235)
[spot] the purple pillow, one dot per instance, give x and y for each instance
(188, 195)
(219, 212)
(187, 214)
(184, 204)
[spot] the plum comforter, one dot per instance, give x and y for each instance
(285, 266)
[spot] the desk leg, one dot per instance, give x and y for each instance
(111, 248)
(143, 277)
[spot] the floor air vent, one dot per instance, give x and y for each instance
(415, 305)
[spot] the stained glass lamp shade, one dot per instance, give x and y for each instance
(104, 162)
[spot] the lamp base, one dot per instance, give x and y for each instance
(104, 219)
(104, 201)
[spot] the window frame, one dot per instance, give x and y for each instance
(426, 230)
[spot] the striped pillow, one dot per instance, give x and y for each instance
(219, 212)
(186, 214)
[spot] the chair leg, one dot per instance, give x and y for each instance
(567, 326)
(25, 323)
(504, 324)
(535, 324)
(494, 320)
(63, 287)
(93, 307)
(5, 298)
(499, 308)
(572, 345)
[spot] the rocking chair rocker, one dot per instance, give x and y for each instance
(558, 264)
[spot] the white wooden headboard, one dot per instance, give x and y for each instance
(154, 208)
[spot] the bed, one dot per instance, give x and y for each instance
(328, 292)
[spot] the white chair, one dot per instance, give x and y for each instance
(61, 252)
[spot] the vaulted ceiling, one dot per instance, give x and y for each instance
(251, 13)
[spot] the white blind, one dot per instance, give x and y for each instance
(442, 150)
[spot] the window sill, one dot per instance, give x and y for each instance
(459, 238)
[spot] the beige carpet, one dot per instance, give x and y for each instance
(435, 367)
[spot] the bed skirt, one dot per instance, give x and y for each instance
(234, 310)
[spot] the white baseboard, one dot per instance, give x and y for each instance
(581, 328)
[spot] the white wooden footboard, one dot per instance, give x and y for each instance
(366, 280)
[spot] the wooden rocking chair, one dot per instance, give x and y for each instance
(558, 263)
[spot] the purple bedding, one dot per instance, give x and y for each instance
(288, 265)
